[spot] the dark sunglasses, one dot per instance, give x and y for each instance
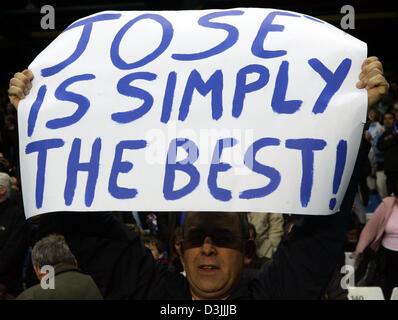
(223, 239)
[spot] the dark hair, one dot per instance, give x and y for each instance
(389, 112)
(376, 112)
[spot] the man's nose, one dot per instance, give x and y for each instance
(208, 247)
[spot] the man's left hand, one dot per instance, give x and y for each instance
(372, 78)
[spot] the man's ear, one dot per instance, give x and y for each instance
(3, 190)
(250, 251)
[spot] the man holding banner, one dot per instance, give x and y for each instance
(212, 254)
(215, 235)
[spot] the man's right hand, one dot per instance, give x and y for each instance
(20, 86)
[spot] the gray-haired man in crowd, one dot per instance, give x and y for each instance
(60, 278)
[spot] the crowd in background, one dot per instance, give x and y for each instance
(9, 145)
(380, 159)
(161, 232)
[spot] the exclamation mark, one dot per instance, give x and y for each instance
(341, 155)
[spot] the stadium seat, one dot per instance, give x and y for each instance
(394, 295)
(365, 293)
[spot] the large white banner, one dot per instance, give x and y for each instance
(218, 110)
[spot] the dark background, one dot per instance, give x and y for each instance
(22, 39)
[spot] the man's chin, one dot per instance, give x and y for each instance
(210, 296)
(209, 290)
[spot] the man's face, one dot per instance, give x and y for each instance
(388, 120)
(213, 253)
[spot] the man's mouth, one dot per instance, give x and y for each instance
(208, 268)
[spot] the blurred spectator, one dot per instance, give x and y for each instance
(362, 170)
(134, 227)
(269, 230)
(5, 165)
(13, 241)
(375, 128)
(160, 224)
(140, 222)
(388, 144)
(155, 245)
(395, 110)
(381, 179)
(152, 222)
(148, 223)
(10, 139)
(253, 263)
(381, 235)
(70, 283)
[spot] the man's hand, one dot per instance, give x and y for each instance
(372, 78)
(20, 86)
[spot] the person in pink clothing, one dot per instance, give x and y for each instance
(380, 234)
